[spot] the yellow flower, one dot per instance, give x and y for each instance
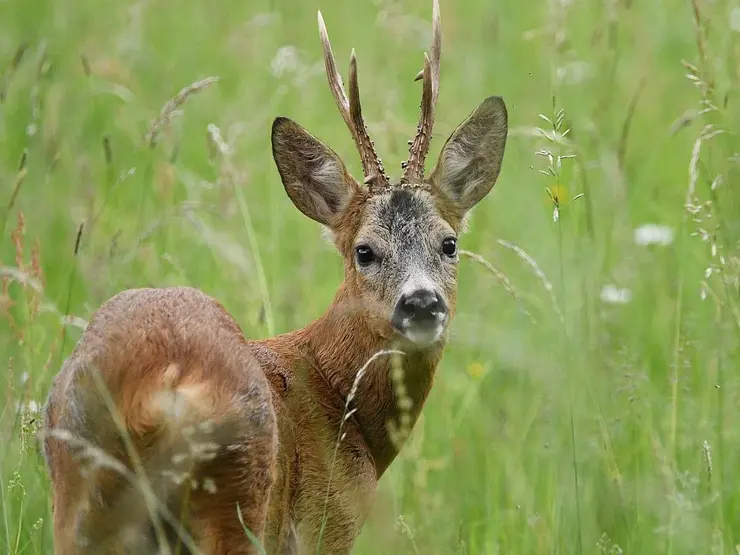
(476, 370)
(558, 195)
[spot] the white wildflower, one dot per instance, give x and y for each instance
(735, 20)
(31, 407)
(653, 234)
(611, 294)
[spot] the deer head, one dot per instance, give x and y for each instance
(398, 240)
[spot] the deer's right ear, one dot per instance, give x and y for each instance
(313, 175)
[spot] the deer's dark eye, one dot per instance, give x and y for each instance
(365, 255)
(449, 246)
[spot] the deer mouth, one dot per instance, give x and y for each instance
(421, 316)
(422, 333)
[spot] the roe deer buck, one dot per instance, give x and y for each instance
(223, 434)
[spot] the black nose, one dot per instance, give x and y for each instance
(420, 306)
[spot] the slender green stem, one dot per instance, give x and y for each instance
(254, 540)
(254, 247)
(70, 288)
(20, 527)
(5, 504)
(566, 362)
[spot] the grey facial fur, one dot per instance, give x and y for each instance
(405, 232)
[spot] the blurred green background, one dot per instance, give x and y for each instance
(610, 355)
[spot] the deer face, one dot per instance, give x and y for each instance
(399, 241)
(405, 262)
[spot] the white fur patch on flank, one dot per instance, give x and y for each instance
(177, 405)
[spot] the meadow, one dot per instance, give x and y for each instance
(587, 401)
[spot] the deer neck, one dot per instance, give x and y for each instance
(391, 390)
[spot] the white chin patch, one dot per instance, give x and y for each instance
(423, 335)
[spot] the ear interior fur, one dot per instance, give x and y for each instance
(470, 160)
(314, 176)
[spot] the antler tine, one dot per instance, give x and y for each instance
(335, 80)
(374, 172)
(414, 167)
(351, 110)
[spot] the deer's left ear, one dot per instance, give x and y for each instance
(470, 160)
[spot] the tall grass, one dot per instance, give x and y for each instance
(640, 390)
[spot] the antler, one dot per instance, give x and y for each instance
(352, 112)
(414, 168)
